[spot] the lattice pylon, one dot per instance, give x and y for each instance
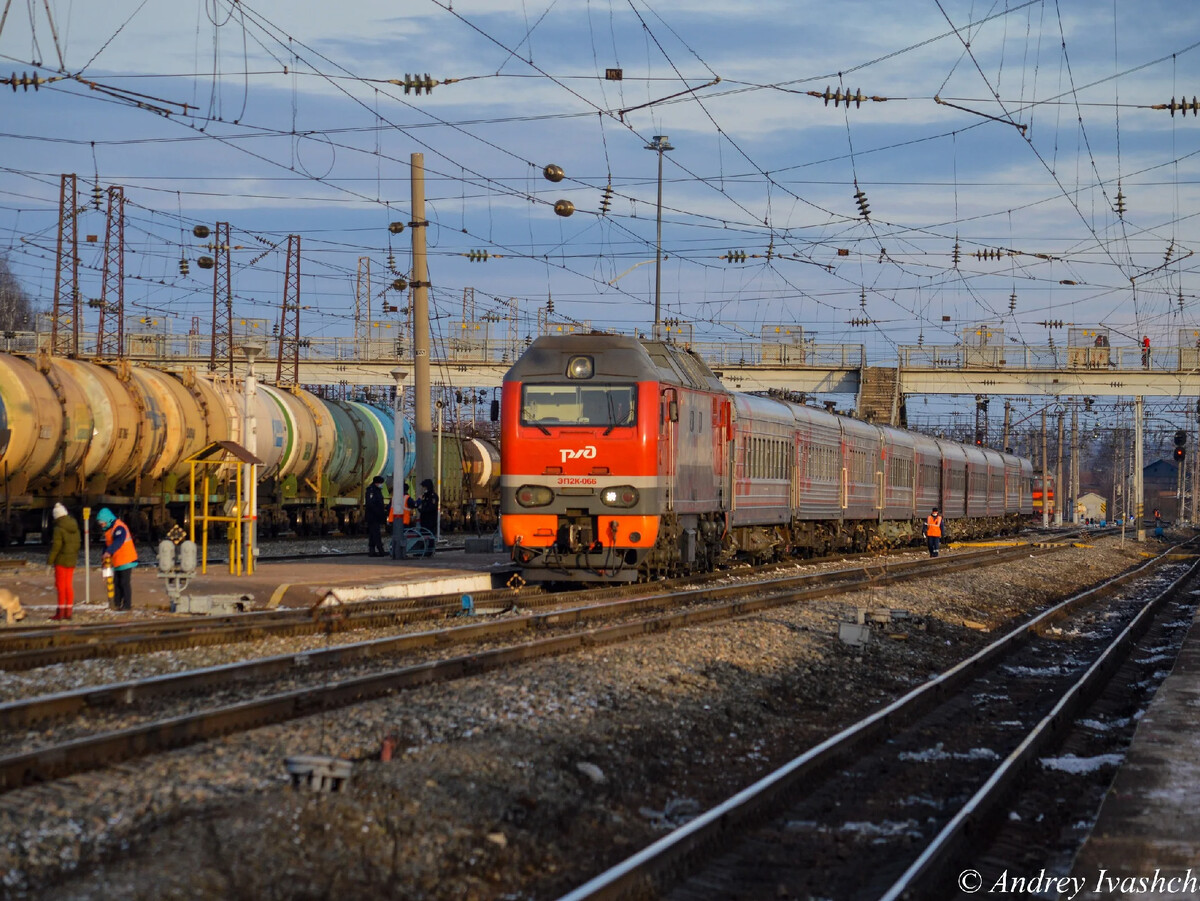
(110, 338)
(64, 325)
(362, 306)
(287, 369)
(221, 352)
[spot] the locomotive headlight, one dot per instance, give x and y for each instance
(621, 496)
(580, 368)
(534, 495)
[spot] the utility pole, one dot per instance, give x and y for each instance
(422, 402)
(110, 341)
(1058, 480)
(1196, 465)
(64, 325)
(1139, 498)
(362, 307)
(1045, 477)
(287, 367)
(1007, 421)
(1120, 476)
(661, 144)
(1074, 463)
(220, 355)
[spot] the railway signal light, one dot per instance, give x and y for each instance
(1180, 445)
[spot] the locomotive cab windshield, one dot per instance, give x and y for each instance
(610, 406)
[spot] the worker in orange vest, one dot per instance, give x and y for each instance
(120, 554)
(407, 505)
(933, 532)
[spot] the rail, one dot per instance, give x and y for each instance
(701, 839)
(728, 601)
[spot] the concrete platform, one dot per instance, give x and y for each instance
(296, 583)
(1146, 841)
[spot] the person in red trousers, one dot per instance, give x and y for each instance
(64, 557)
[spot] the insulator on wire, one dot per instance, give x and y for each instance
(1012, 302)
(1183, 106)
(862, 299)
(956, 254)
(735, 256)
(1119, 206)
(606, 200)
(861, 199)
(417, 83)
(838, 97)
(25, 81)
(183, 266)
(97, 195)
(478, 256)
(860, 321)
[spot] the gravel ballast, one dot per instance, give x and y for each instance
(518, 784)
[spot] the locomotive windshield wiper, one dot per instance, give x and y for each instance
(612, 413)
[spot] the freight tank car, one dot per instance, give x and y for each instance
(120, 435)
(624, 459)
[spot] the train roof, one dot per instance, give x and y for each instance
(615, 357)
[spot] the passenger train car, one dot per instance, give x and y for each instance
(625, 459)
(120, 435)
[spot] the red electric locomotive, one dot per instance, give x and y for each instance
(624, 459)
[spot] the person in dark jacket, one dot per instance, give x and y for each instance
(64, 557)
(376, 513)
(428, 506)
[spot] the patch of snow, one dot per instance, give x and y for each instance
(938, 752)
(1072, 764)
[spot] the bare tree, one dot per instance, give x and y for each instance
(16, 307)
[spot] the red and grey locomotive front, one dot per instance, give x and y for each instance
(580, 493)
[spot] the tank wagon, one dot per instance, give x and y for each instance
(120, 435)
(625, 459)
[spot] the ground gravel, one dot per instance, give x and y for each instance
(520, 784)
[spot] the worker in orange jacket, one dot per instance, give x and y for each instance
(933, 532)
(121, 555)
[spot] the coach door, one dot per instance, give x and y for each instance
(668, 418)
(723, 451)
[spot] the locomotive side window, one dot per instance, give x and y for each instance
(612, 406)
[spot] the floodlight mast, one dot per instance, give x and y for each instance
(660, 144)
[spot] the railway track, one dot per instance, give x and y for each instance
(241, 697)
(26, 648)
(911, 787)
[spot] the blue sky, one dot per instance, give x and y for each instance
(1044, 122)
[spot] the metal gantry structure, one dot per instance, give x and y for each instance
(287, 366)
(110, 334)
(64, 327)
(221, 349)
